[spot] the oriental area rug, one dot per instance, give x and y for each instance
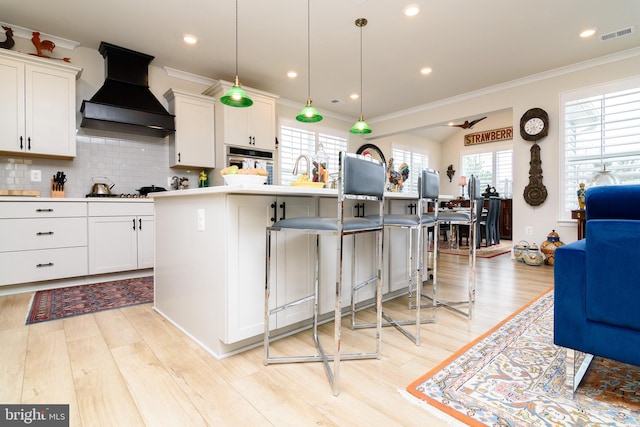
(59, 303)
(482, 252)
(512, 376)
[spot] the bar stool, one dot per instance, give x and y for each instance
(361, 178)
(470, 218)
(428, 190)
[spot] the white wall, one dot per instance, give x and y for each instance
(539, 91)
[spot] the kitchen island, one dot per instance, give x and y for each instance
(210, 260)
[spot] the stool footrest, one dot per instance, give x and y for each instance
(291, 304)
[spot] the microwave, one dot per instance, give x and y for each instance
(251, 158)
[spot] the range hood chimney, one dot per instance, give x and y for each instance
(124, 103)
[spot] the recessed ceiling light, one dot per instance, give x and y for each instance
(354, 96)
(426, 70)
(190, 39)
(292, 74)
(587, 33)
(411, 10)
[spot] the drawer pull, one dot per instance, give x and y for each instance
(44, 233)
(44, 210)
(49, 264)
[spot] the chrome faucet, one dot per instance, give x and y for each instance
(295, 167)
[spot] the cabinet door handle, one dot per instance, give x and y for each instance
(253, 140)
(21, 146)
(44, 233)
(134, 224)
(275, 212)
(140, 224)
(283, 206)
(29, 143)
(44, 210)
(179, 158)
(49, 264)
(249, 139)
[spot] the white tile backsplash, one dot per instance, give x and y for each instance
(130, 162)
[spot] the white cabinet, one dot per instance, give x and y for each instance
(37, 106)
(42, 241)
(121, 236)
(193, 143)
(247, 218)
(252, 127)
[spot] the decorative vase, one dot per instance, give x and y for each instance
(519, 250)
(581, 192)
(533, 256)
(548, 247)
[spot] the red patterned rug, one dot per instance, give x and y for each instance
(59, 303)
(514, 374)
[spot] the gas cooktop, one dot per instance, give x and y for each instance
(128, 196)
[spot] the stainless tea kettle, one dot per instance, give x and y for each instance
(100, 186)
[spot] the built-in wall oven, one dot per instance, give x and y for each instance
(247, 158)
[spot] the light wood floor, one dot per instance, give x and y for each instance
(130, 367)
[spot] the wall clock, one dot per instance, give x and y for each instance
(534, 124)
(374, 151)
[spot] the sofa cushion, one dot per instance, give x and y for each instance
(613, 272)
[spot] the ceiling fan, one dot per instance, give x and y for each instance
(468, 124)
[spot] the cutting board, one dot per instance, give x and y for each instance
(30, 193)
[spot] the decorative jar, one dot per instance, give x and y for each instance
(548, 247)
(533, 256)
(519, 249)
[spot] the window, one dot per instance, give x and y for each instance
(296, 141)
(601, 128)
(494, 168)
(415, 162)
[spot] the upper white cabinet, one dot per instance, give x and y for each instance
(37, 106)
(253, 127)
(193, 143)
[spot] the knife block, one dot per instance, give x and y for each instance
(56, 194)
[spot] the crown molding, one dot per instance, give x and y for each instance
(25, 33)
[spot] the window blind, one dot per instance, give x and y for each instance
(602, 130)
(295, 141)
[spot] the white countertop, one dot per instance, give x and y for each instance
(273, 190)
(76, 199)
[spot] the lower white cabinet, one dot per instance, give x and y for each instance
(292, 269)
(42, 240)
(121, 236)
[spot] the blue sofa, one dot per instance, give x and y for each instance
(597, 279)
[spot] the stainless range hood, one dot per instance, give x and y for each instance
(124, 103)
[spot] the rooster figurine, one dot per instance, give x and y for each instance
(42, 44)
(397, 178)
(46, 45)
(9, 42)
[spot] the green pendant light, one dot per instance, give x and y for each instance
(236, 96)
(361, 127)
(309, 114)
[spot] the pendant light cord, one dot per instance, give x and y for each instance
(308, 49)
(361, 95)
(236, 39)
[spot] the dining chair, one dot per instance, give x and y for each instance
(489, 225)
(416, 225)
(359, 178)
